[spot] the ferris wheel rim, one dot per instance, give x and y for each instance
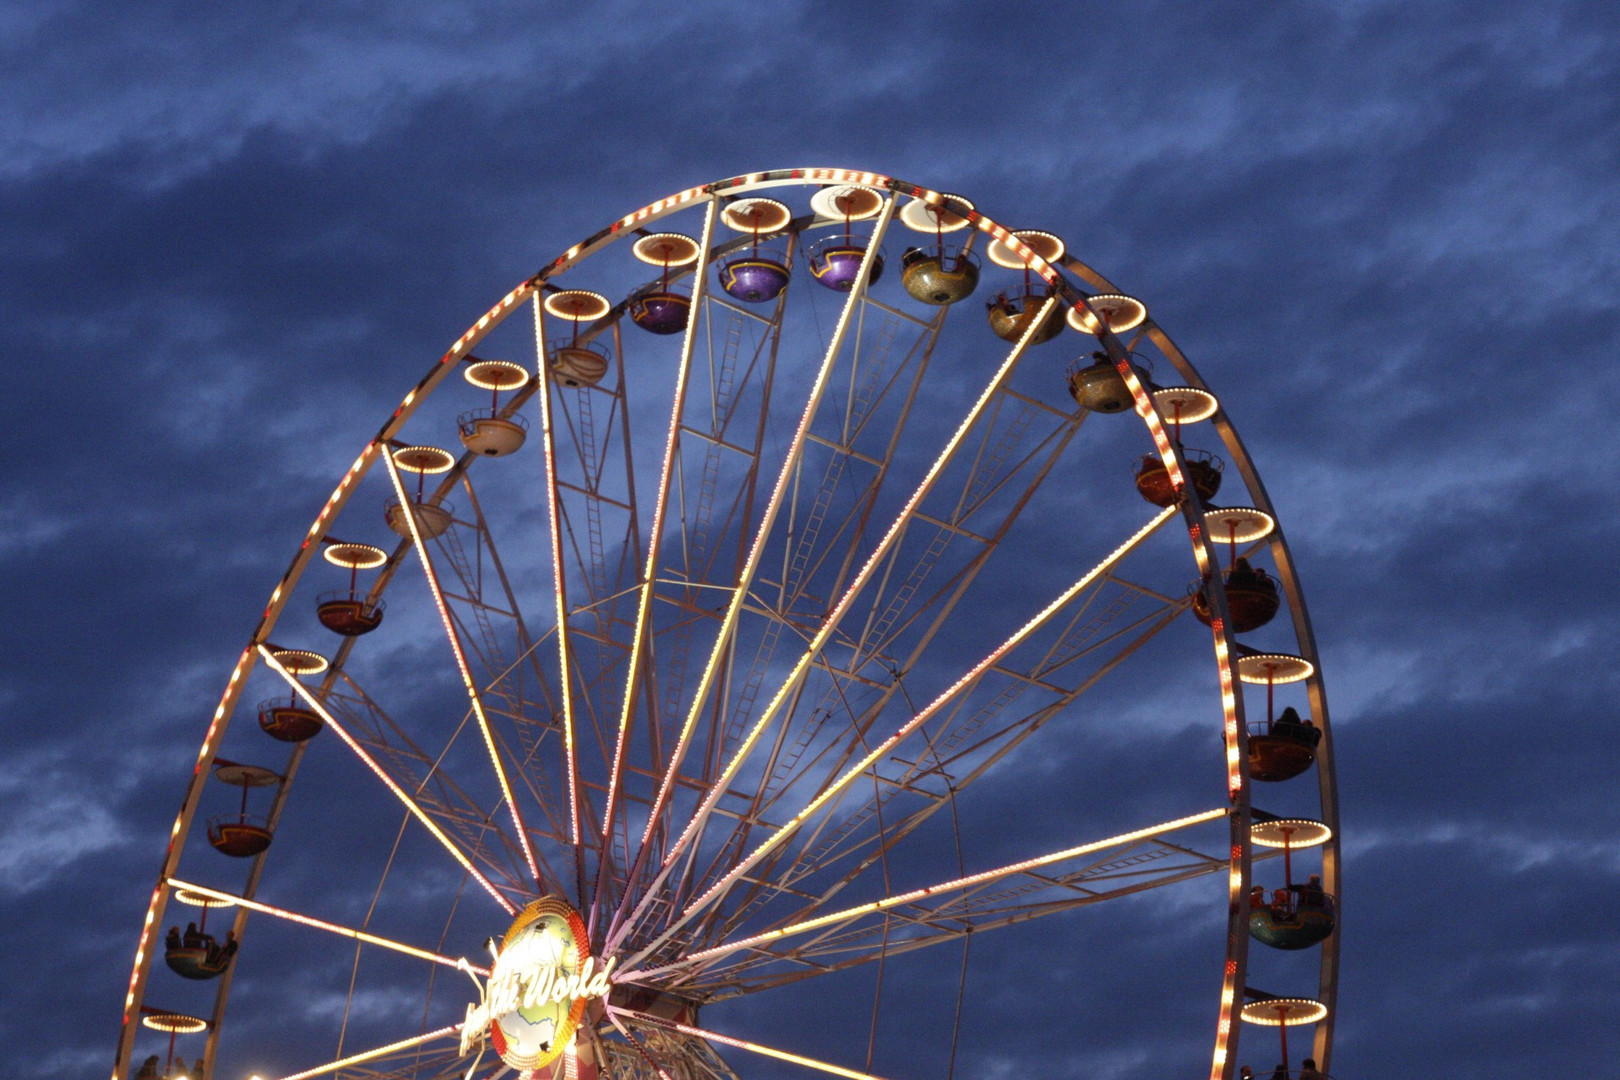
(1145, 406)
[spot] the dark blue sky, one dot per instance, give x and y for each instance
(1385, 233)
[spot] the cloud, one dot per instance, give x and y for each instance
(1385, 234)
(56, 822)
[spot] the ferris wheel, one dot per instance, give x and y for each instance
(734, 614)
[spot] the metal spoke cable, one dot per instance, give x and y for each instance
(961, 872)
(365, 924)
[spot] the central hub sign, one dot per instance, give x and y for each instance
(544, 977)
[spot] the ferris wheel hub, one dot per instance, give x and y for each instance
(538, 992)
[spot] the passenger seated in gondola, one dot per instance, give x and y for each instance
(1291, 726)
(148, 1069)
(220, 955)
(1288, 724)
(193, 939)
(1307, 1070)
(1257, 897)
(1281, 1073)
(1297, 917)
(173, 940)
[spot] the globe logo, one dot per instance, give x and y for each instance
(544, 976)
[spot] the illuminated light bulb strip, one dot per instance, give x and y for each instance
(742, 1044)
(207, 751)
(739, 185)
(149, 927)
(228, 699)
(846, 176)
(461, 665)
(1148, 410)
(1012, 242)
(878, 752)
(410, 804)
(1235, 897)
(558, 585)
(681, 199)
(318, 528)
(645, 216)
(216, 729)
(773, 506)
(654, 545)
(230, 899)
(507, 302)
(655, 209)
(1307, 1011)
(830, 624)
(931, 890)
(371, 1055)
(174, 1023)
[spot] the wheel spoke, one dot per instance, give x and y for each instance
(410, 804)
(963, 683)
(822, 550)
(984, 877)
(742, 1044)
(559, 585)
(373, 1054)
(433, 789)
(504, 680)
(639, 636)
(981, 755)
(1123, 872)
(745, 577)
(320, 924)
(466, 673)
(869, 665)
(830, 624)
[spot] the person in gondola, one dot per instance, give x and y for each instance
(1310, 731)
(227, 950)
(173, 940)
(1257, 898)
(148, 1069)
(1290, 724)
(1282, 903)
(1307, 1070)
(1280, 1073)
(1311, 894)
(193, 939)
(1245, 1073)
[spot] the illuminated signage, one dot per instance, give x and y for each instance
(544, 976)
